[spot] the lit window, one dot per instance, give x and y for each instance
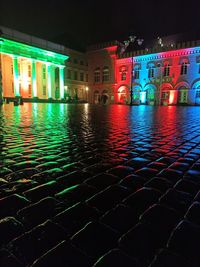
(75, 75)
(68, 74)
(44, 72)
(136, 74)
(44, 90)
(97, 75)
(106, 75)
(184, 68)
(166, 71)
(29, 89)
(82, 76)
(29, 70)
(151, 72)
(123, 76)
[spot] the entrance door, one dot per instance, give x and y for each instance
(182, 97)
(165, 98)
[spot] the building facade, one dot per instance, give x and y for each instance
(76, 76)
(30, 67)
(158, 76)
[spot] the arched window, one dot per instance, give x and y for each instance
(151, 72)
(184, 67)
(123, 76)
(123, 73)
(106, 74)
(166, 70)
(97, 75)
(136, 72)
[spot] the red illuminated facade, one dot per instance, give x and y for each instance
(157, 76)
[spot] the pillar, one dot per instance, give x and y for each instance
(49, 80)
(16, 76)
(61, 81)
(34, 81)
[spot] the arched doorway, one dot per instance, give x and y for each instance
(150, 94)
(97, 97)
(122, 95)
(104, 97)
(182, 95)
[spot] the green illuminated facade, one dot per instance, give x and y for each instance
(29, 71)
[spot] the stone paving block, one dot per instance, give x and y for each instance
(73, 178)
(95, 239)
(180, 166)
(133, 182)
(178, 200)
(157, 165)
(11, 204)
(186, 186)
(42, 191)
(121, 218)
(76, 193)
(121, 171)
(159, 183)
(185, 241)
(108, 198)
(147, 172)
(38, 212)
(171, 174)
(75, 217)
(166, 258)
(117, 258)
(7, 259)
(193, 213)
(161, 219)
(37, 241)
(141, 243)
(138, 162)
(102, 180)
(63, 255)
(142, 199)
(9, 229)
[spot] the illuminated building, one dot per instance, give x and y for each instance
(31, 68)
(168, 77)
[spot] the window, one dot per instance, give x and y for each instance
(82, 76)
(44, 72)
(151, 72)
(29, 70)
(166, 71)
(75, 75)
(106, 74)
(97, 75)
(137, 74)
(86, 77)
(29, 89)
(198, 94)
(184, 68)
(75, 61)
(123, 76)
(69, 74)
(44, 90)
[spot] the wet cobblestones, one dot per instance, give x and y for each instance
(99, 186)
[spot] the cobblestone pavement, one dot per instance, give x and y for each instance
(101, 186)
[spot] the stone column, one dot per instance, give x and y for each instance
(61, 81)
(49, 80)
(16, 76)
(34, 79)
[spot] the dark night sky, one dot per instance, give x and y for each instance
(100, 20)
